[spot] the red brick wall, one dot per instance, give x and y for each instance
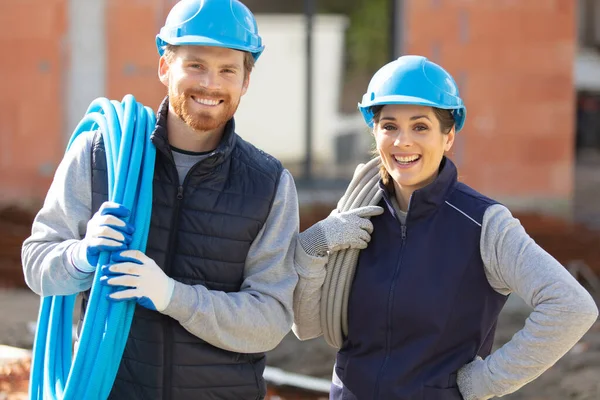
(34, 72)
(132, 59)
(31, 113)
(513, 61)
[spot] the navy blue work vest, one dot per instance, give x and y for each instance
(200, 234)
(420, 306)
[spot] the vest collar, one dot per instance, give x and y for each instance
(160, 139)
(426, 200)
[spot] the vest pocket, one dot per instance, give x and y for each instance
(257, 361)
(340, 365)
(433, 393)
(442, 388)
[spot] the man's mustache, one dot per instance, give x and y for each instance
(206, 94)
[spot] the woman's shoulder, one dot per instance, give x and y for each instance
(469, 201)
(466, 192)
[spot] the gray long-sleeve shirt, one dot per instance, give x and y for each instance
(562, 309)
(255, 319)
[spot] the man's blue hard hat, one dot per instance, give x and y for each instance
(219, 23)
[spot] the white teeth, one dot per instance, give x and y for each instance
(207, 102)
(406, 160)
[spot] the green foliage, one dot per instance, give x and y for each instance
(368, 35)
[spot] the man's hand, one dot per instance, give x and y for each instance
(106, 231)
(140, 278)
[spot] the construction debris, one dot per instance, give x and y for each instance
(15, 366)
(567, 241)
(15, 227)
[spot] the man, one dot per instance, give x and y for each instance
(215, 286)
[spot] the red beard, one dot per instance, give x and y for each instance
(206, 120)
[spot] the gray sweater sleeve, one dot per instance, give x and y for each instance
(60, 223)
(307, 296)
(252, 320)
(562, 309)
(256, 318)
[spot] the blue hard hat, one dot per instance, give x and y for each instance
(220, 23)
(413, 80)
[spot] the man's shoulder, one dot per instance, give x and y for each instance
(84, 140)
(250, 155)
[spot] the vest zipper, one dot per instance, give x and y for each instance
(388, 334)
(167, 268)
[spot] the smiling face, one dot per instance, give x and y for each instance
(411, 142)
(205, 84)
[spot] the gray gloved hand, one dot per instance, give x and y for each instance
(349, 229)
(469, 386)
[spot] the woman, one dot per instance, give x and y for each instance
(440, 262)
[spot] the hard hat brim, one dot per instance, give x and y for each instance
(191, 40)
(365, 107)
(397, 99)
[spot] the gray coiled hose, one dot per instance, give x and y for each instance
(362, 191)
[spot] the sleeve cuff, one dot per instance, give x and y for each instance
(184, 302)
(470, 381)
(69, 263)
(308, 266)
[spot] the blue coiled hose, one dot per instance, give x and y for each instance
(130, 156)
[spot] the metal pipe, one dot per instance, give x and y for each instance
(309, 9)
(396, 29)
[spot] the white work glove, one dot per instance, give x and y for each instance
(349, 229)
(140, 279)
(106, 231)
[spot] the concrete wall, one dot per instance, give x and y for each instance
(272, 113)
(85, 76)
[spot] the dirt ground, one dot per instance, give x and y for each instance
(575, 377)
